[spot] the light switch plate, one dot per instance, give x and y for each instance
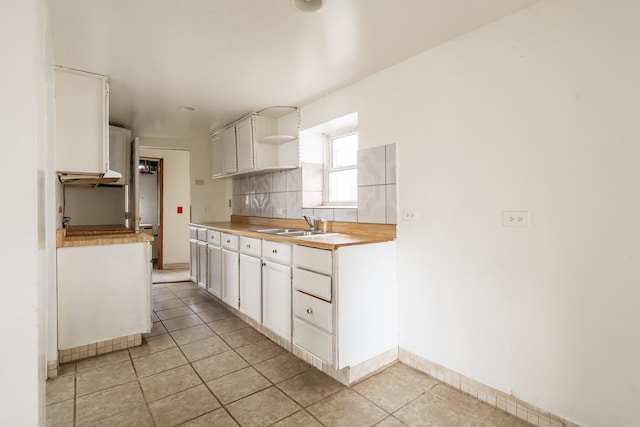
(516, 219)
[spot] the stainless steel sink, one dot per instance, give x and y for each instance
(292, 232)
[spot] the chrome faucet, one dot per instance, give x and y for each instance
(311, 220)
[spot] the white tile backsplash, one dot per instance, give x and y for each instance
(294, 179)
(283, 194)
(262, 183)
(371, 204)
(326, 213)
(294, 204)
(391, 204)
(390, 164)
(278, 182)
(345, 215)
(371, 166)
(279, 205)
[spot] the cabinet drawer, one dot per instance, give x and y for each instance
(202, 234)
(314, 310)
(312, 283)
(193, 233)
(213, 237)
(313, 259)
(250, 246)
(278, 252)
(312, 339)
(229, 241)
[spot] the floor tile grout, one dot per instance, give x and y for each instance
(191, 296)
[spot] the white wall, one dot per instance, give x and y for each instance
(540, 112)
(24, 262)
(209, 197)
(87, 205)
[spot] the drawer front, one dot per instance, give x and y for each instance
(202, 234)
(229, 241)
(278, 252)
(250, 246)
(312, 339)
(312, 283)
(193, 233)
(314, 310)
(313, 259)
(213, 237)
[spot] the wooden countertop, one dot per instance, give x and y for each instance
(98, 235)
(343, 234)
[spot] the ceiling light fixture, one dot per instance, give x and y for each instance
(307, 5)
(187, 108)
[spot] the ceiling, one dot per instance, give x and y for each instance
(230, 57)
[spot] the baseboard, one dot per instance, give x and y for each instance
(176, 266)
(503, 401)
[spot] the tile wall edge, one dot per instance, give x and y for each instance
(503, 401)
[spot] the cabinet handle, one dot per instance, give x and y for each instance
(309, 310)
(275, 251)
(228, 241)
(249, 246)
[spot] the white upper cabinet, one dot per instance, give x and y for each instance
(245, 145)
(229, 156)
(82, 121)
(120, 152)
(216, 155)
(259, 142)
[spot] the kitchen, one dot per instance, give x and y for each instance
(525, 113)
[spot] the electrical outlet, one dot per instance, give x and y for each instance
(515, 219)
(410, 215)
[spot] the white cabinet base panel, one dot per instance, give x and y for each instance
(104, 292)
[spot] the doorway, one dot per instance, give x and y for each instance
(151, 195)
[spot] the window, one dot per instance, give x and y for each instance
(341, 173)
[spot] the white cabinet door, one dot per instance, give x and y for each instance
(229, 157)
(276, 298)
(202, 265)
(251, 287)
(216, 155)
(119, 152)
(214, 255)
(82, 120)
(230, 279)
(193, 246)
(244, 144)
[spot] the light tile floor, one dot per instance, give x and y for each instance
(203, 366)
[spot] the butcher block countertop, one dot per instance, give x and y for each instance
(90, 235)
(342, 233)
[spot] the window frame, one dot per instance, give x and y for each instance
(328, 169)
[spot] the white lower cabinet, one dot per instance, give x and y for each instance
(193, 249)
(230, 270)
(344, 302)
(104, 292)
(214, 263)
(202, 265)
(276, 288)
(251, 278)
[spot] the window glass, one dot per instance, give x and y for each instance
(344, 151)
(341, 169)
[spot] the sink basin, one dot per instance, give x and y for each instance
(292, 232)
(279, 231)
